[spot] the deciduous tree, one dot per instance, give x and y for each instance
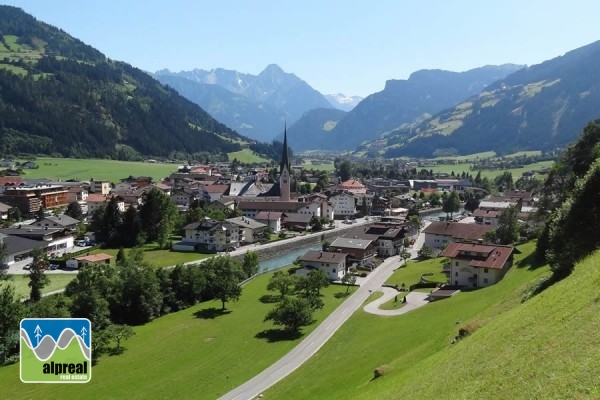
(292, 313)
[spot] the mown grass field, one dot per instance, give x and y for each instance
(344, 367)
(412, 272)
(159, 257)
(20, 282)
(248, 156)
(197, 353)
(491, 174)
(84, 169)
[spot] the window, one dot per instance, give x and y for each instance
(485, 270)
(456, 263)
(456, 274)
(485, 280)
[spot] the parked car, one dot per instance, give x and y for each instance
(80, 243)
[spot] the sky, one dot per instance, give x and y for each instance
(346, 46)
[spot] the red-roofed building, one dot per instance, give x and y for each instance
(477, 265)
(352, 186)
(9, 181)
(439, 234)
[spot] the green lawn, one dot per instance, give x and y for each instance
(248, 156)
(368, 341)
(159, 257)
(20, 282)
(317, 165)
(193, 354)
(491, 174)
(411, 274)
(112, 170)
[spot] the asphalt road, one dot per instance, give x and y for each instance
(317, 338)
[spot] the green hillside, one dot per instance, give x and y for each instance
(59, 96)
(541, 107)
(544, 348)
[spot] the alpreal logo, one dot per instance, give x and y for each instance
(56, 350)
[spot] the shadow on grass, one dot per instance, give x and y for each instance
(341, 295)
(211, 313)
(277, 335)
(269, 298)
(532, 262)
(114, 351)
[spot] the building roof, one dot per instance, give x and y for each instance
(269, 215)
(5, 207)
(480, 213)
(323, 256)
(94, 258)
(96, 198)
(31, 232)
(351, 243)
(209, 225)
(61, 220)
(216, 188)
(495, 204)
(10, 180)
(245, 222)
(457, 230)
(270, 205)
(295, 218)
(481, 255)
(16, 244)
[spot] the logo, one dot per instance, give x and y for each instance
(56, 350)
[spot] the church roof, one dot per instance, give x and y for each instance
(284, 154)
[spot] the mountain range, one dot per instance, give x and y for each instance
(62, 97)
(400, 103)
(256, 105)
(541, 107)
(343, 102)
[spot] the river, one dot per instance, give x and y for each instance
(286, 259)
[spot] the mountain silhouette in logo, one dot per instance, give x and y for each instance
(47, 345)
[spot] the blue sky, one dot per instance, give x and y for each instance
(345, 46)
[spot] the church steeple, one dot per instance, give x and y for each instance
(284, 171)
(284, 154)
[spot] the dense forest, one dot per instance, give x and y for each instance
(59, 96)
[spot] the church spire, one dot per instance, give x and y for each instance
(285, 161)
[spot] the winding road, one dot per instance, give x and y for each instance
(317, 338)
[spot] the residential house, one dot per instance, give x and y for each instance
(9, 181)
(344, 204)
(333, 263)
(440, 234)
(215, 192)
(210, 235)
(77, 194)
(477, 265)
(95, 201)
(29, 165)
(360, 251)
(251, 209)
(19, 248)
(5, 211)
(102, 187)
(251, 230)
(59, 222)
(82, 261)
(352, 186)
(180, 197)
(56, 241)
(296, 221)
(389, 239)
(273, 220)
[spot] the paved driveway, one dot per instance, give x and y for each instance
(414, 300)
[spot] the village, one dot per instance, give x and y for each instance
(251, 211)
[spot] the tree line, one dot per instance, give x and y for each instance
(115, 297)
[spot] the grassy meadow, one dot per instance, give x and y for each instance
(198, 353)
(248, 156)
(491, 174)
(20, 282)
(84, 169)
(412, 272)
(401, 344)
(157, 256)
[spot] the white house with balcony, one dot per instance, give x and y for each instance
(210, 235)
(344, 204)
